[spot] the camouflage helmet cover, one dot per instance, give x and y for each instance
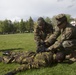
(61, 18)
(40, 20)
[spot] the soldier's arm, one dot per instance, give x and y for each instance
(53, 37)
(50, 31)
(37, 36)
(50, 28)
(66, 36)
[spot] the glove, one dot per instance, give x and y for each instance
(51, 49)
(41, 49)
(10, 73)
(41, 43)
(45, 44)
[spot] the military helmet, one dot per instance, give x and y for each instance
(60, 19)
(40, 21)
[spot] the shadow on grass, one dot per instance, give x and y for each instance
(11, 49)
(68, 62)
(65, 62)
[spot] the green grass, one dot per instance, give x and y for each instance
(24, 42)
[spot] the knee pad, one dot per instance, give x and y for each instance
(67, 44)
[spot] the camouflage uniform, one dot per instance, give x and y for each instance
(29, 57)
(41, 35)
(17, 57)
(32, 60)
(67, 36)
(40, 60)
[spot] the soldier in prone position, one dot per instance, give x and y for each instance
(34, 60)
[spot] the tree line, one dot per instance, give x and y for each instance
(8, 27)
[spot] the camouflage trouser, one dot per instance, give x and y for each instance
(40, 60)
(27, 66)
(69, 45)
(24, 67)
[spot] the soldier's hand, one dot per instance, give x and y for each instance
(40, 49)
(47, 50)
(10, 73)
(52, 49)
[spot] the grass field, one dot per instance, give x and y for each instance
(24, 42)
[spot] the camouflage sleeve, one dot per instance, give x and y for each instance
(50, 28)
(50, 31)
(66, 36)
(37, 35)
(53, 37)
